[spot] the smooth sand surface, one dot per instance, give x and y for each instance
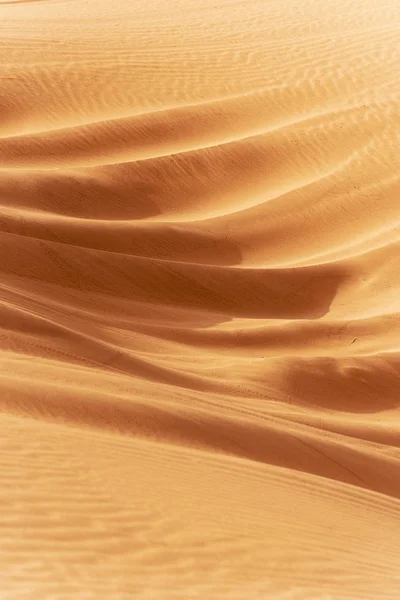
(200, 300)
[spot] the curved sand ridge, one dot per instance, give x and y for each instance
(200, 283)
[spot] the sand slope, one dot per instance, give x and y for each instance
(200, 314)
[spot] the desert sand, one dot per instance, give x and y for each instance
(200, 300)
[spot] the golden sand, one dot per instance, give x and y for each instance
(200, 300)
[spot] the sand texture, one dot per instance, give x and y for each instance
(199, 300)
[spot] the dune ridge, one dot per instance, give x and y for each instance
(200, 314)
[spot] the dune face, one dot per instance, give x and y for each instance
(200, 314)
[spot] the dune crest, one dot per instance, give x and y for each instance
(200, 300)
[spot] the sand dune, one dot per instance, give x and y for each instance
(200, 314)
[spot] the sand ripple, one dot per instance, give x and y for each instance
(200, 314)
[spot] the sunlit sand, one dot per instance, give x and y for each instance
(200, 300)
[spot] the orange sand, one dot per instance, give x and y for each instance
(200, 300)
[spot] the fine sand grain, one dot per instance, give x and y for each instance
(200, 300)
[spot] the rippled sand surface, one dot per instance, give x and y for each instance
(200, 300)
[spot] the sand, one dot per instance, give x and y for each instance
(200, 300)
